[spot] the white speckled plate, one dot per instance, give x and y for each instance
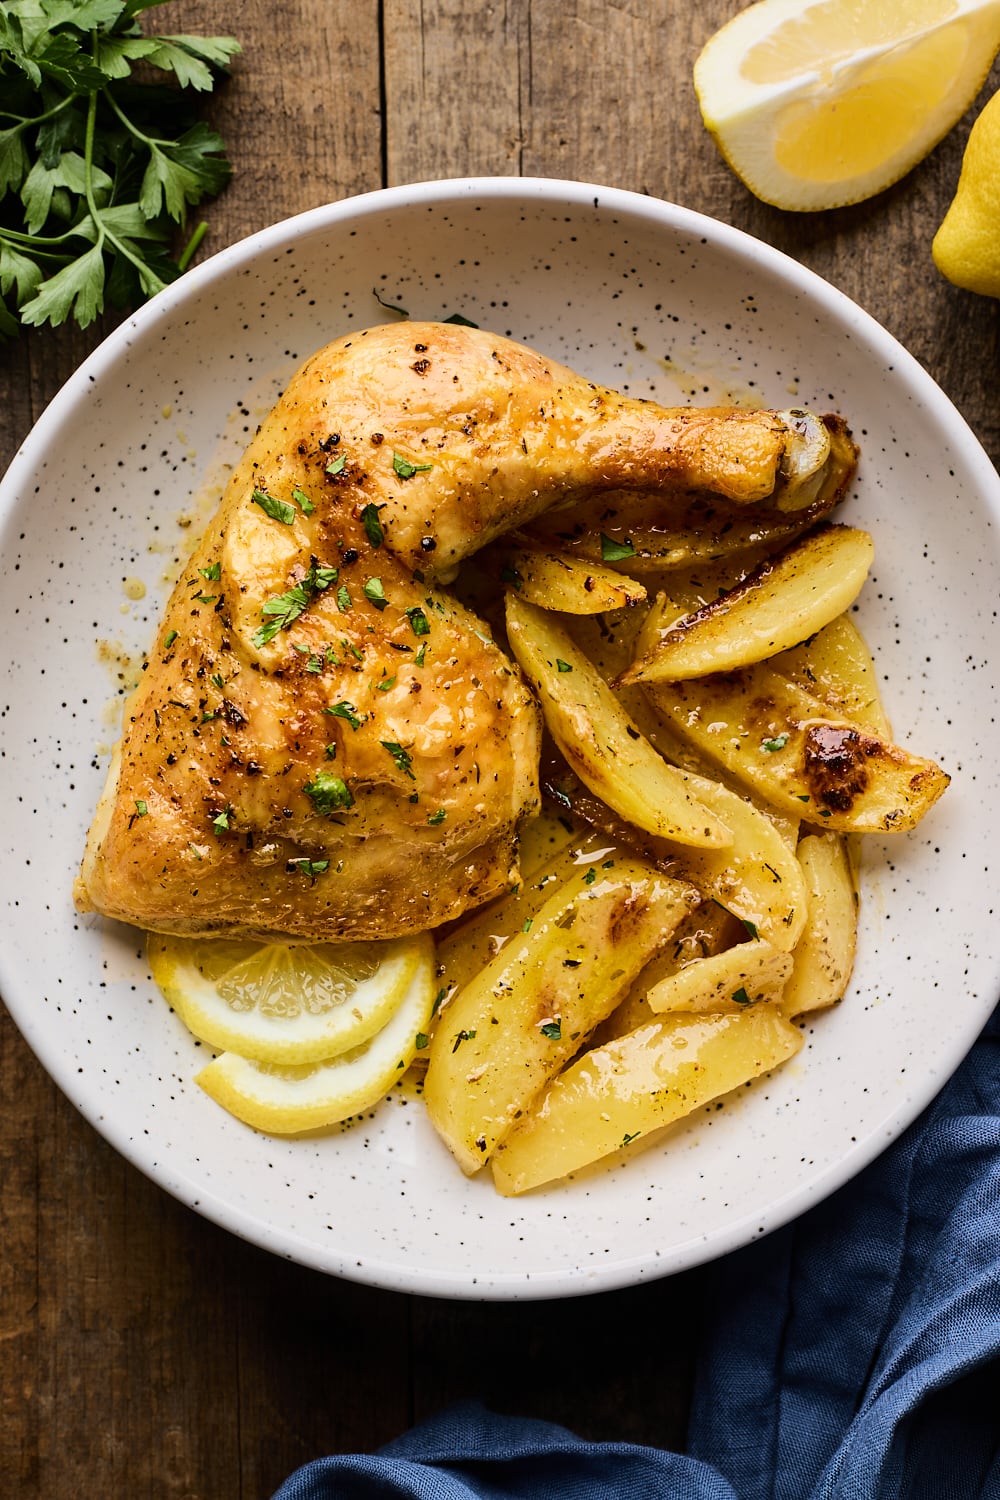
(635, 293)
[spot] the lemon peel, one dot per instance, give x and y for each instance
(283, 1003)
(287, 1100)
(825, 103)
(966, 248)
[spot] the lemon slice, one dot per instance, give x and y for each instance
(285, 1100)
(818, 103)
(283, 1003)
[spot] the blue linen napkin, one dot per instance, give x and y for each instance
(855, 1355)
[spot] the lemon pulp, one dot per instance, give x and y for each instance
(283, 1003)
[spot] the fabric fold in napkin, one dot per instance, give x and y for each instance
(855, 1355)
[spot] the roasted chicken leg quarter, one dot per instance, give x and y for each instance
(325, 744)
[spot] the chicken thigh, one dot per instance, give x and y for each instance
(324, 743)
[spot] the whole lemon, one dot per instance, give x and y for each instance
(966, 248)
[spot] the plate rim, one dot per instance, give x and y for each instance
(537, 192)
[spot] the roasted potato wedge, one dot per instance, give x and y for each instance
(788, 747)
(836, 666)
(558, 580)
(780, 603)
(622, 1094)
(513, 1026)
(759, 878)
(724, 982)
(824, 955)
(598, 738)
(478, 938)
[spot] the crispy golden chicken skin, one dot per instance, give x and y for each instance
(324, 743)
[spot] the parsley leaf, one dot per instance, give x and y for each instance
(278, 510)
(372, 524)
(284, 609)
(375, 593)
(327, 792)
(405, 469)
(345, 710)
(612, 551)
(402, 758)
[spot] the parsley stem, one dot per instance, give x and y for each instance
(190, 250)
(25, 122)
(149, 281)
(152, 141)
(88, 168)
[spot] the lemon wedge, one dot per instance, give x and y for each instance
(285, 1100)
(818, 103)
(283, 1003)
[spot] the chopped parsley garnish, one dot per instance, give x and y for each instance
(168, 639)
(375, 593)
(627, 1139)
(437, 817)
(562, 666)
(337, 465)
(462, 322)
(278, 510)
(140, 807)
(385, 685)
(216, 680)
(419, 622)
(303, 502)
(281, 611)
(751, 927)
(345, 710)
(401, 757)
(372, 524)
(421, 1040)
(418, 660)
(612, 551)
(462, 1036)
(309, 866)
(741, 997)
(213, 572)
(343, 599)
(405, 469)
(590, 877)
(223, 821)
(552, 1030)
(206, 598)
(328, 792)
(777, 743)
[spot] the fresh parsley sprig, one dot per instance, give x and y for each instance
(97, 168)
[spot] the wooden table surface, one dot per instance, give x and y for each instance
(143, 1351)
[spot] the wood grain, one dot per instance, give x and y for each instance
(143, 1351)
